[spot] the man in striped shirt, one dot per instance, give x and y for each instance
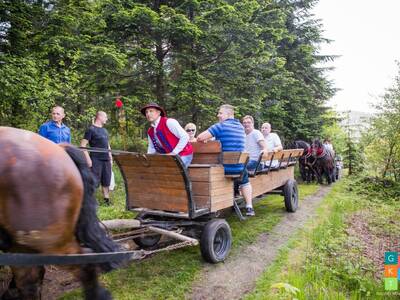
(230, 132)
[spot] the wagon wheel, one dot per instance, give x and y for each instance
(291, 196)
(216, 241)
(147, 241)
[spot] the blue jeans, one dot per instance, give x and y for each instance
(187, 159)
(252, 164)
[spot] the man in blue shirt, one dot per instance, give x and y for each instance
(55, 130)
(230, 132)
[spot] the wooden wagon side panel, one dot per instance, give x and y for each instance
(154, 182)
(268, 182)
(210, 188)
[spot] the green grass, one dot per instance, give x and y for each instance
(118, 208)
(322, 261)
(170, 275)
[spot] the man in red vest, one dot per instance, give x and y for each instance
(166, 135)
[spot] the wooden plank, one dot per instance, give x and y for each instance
(206, 158)
(221, 183)
(221, 191)
(224, 203)
(267, 156)
(160, 202)
(267, 182)
(201, 188)
(155, 170)
(144, 156)
(150, 161)
(216, 171)
(138, 178)
(147, 183)
(234, 157)
(287, 154)
(209, 147)
(210, 173)
(199, 174)
(158, 192)
(202, 201)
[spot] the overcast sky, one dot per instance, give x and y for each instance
(366, 33)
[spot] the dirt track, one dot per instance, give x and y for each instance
(238, 275)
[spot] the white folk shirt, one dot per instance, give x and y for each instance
(176, 129)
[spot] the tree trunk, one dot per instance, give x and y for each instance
(388, 160)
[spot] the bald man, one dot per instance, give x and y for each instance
(55, 130)
(100, 162)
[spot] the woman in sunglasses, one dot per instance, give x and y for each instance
(191, 130)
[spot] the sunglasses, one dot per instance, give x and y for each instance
(190, 130)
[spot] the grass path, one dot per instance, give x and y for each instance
(237, 276)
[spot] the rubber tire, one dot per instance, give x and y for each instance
(146, 242)
(291, 195)
(216, 241)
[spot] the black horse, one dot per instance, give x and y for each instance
(306, 160)
(324, 162)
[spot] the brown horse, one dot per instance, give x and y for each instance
(47, 205)
(324, 162)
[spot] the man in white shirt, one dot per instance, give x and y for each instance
(272, 141)
(166, 135)
(255, 142)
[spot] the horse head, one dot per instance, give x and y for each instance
(299, 144)
(317, 148)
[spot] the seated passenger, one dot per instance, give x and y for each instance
(231, 134)
(272, 141)
(190, 128)
(165, 135)
(255, 143)
(328, 145)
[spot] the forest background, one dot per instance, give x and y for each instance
(190, 56)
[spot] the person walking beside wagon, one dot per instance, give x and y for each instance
(255, 143)
(100, 162)
(230, 132)
(166, 135)
(55, 130)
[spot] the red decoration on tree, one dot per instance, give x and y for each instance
(118, 103)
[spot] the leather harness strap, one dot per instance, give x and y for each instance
(32, 259)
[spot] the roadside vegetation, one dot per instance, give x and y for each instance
(339, 255)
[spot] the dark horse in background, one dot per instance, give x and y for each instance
(47, 205)
(306, 160)
(324, 162)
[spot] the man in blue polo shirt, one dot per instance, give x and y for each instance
(55, 130)
(230, 132)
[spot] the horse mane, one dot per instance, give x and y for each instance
(301, 144)
(88, 230)
(317, 143)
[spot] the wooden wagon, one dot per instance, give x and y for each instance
(189, 200)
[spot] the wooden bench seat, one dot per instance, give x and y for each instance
(282, 159)
(211, 153)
